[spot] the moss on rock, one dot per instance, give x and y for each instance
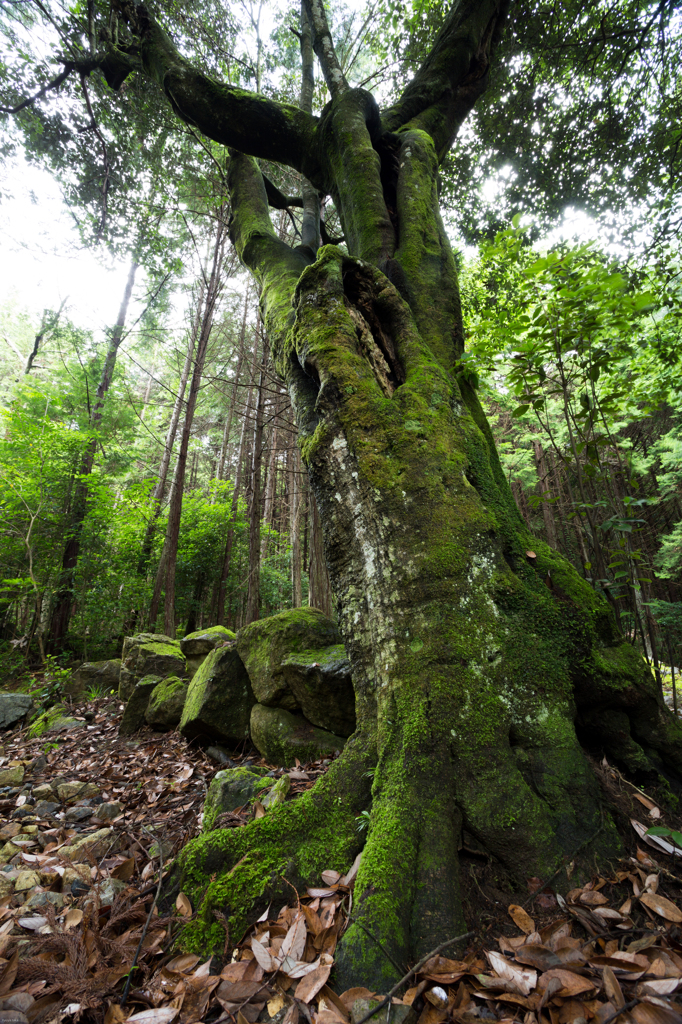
(219, 699)
(166, 703)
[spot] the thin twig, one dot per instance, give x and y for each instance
(623, 1009)
(417, 966)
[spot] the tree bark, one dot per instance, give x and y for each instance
(474, 667)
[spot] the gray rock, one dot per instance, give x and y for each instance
(78, 813)
(107, 890)
(100, 675)
(39, 899)
(166, 702)
(230, 789)
(219, 699)
(322, 685)
(220, 755)
(264, 645)
(195, 646)
(107, 812)
(13, 707)
(45, 808)
(282, 737)
(136, 708)
(148, 654)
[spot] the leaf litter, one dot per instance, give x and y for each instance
(74, 930)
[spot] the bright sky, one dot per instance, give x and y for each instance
(41, 258)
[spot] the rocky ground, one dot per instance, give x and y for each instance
(90, 821)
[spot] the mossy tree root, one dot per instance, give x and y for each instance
(239, 871)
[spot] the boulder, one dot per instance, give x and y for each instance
(230, 789)
(149, 654)
(166, 702)
(282, 737)
(97, 675)
(195, 646)
(13, 707)
(136, 708)
(264, 645)
(219, 699)
(322, 685)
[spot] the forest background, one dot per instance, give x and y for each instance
(149, 471)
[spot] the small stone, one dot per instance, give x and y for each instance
(6, 886)
(78, 813)
(13, 1017)
(278, 793)
(26, 880)
(76, 873)
(19, 1001)
(39, 899)
(221, 756)
(108, 889)
(24, 812)
(8, 851)
(12, 776)
(70, 792)
(48, 878)
(107, 812)
(38, 763)
(46, 808)
(96, 844)
(30, 830)
(43, 792)
(10, 830)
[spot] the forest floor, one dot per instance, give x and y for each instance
(91, 828)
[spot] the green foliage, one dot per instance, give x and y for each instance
(568, 343)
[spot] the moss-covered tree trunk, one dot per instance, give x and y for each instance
(473, 663)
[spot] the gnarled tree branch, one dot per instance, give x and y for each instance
(453, 75)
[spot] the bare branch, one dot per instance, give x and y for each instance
(54, 84)
(324, 48)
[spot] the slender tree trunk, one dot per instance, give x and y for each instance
(213, 289)
(253, 595)
(61, 612)
(239, 475)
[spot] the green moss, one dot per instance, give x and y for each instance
(159, 648)
(236, 871)
(46, 721)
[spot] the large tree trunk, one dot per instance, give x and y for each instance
(475, 666)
